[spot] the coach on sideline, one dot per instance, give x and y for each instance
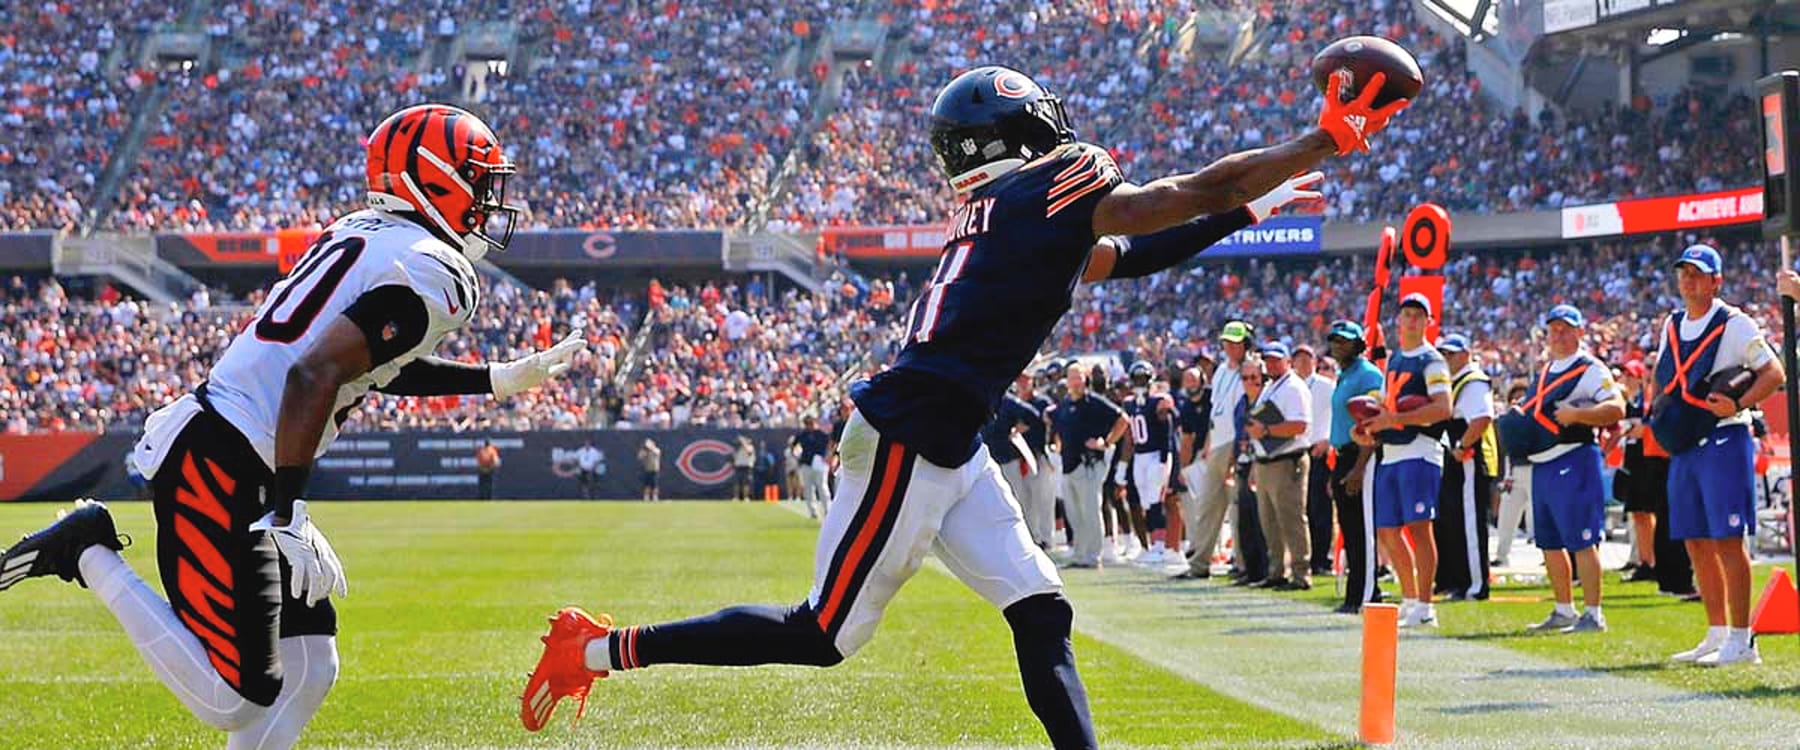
(1218, 453)
(1087, 425)
(1278, 424)
(1712, 456)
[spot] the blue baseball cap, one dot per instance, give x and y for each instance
(1349, 330)
(1703, 258)
(1419, 300)
(1453, 343)
(1567, 314)
(1275, 349)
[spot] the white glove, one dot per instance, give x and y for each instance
(1119, 473)
(529, 372)
(315, 570)
(1293, 191)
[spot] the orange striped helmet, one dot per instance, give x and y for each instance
(445, 164)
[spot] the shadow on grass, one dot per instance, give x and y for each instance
(1291, 629)
(1752, 693)
(1473, 709)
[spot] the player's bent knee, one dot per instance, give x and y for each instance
(242, 715)
(315, 675)
(1047, 614)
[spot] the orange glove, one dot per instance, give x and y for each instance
(1351, 123)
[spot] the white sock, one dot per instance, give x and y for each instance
(174, 654)
(310, 666)
(599, 654)
(1715, 634)
(1740, 636)
(1565, 609)
(1595, 611)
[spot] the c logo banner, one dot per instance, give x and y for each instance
(600, 246)
(695, 458)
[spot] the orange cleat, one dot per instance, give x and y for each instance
(562, 671)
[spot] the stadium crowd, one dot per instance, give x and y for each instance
(720, 355)
(677, 114)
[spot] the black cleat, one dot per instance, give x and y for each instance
(57, 548)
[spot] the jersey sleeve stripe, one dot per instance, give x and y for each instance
(1064, 202)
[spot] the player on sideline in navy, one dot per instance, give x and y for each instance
(1040, 212)
(1151, 416)
(247, 638)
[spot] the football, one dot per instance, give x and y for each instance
(1362, 408)
(1731, 382)
(1411, 402)
(1357, 59)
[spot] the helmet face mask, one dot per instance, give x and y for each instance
(992, 120)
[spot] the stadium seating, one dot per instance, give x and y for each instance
(677, 115)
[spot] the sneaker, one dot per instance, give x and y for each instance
(1641, 574)
(57, 548)
(562, 671)
(1555, 623)
(1191, 575)
(1420, 616)
(1707, 647)
(1732, 652)
(1270, 583)
(1588, 622)
(1110, 556)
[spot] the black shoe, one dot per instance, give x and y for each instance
(1294, 585)
(1191, 575)
(1641, 574)
(1348, 609)
(1270, 583)
(1628, 567)
(1456, 596)
(1246, 581)
(57, 548)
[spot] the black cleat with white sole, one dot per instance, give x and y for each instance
(57, 548)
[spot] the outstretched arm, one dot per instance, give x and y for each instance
(1235, 180)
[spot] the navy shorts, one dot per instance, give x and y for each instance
(1568, 500)
(1712, 491)
(1406, 491)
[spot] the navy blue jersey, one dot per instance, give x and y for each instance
(1152, 420)
(997, 435)
(1029, 416)
(813, 443)
(1195, 416)
(1077, 421)
(1017, 248)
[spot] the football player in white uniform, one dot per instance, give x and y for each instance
(247, 638)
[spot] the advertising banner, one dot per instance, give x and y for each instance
(1667, 214)
(696, 463)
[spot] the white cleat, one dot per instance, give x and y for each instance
(1731, 653)
(1706, 648)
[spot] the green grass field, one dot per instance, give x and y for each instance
(1643, 630)
(447, 600)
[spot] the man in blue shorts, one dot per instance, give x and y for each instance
(1411, 467)
(1568, 401)
(1712, 457)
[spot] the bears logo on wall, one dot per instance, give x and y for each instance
(706, 462)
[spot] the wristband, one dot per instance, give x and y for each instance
(289, 485)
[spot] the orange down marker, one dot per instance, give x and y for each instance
(1381, 635)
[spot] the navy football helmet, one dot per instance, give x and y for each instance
(1141, 372)
(991, 121)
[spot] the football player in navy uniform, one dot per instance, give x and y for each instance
(1151, 417)
(1039, 213)
(246, 639)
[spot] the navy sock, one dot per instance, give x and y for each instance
(1040, 626)
(735, 636)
